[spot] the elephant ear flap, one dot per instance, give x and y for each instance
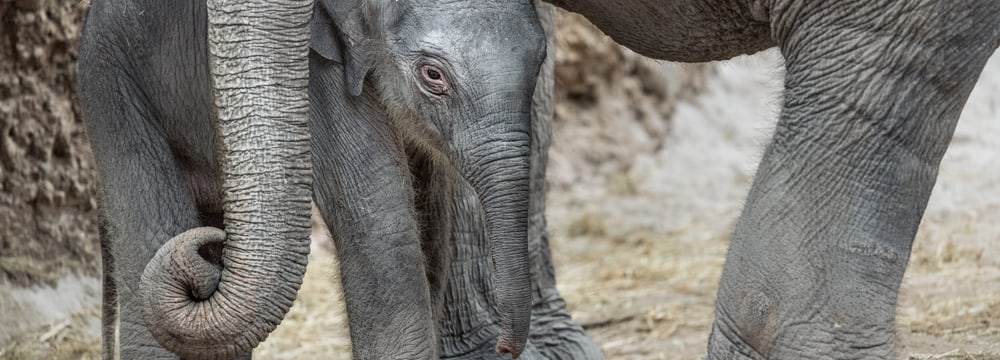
(323, 37)
(355, 71)
(338, 36)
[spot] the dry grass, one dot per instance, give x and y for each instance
(75, 338)
(956, 355)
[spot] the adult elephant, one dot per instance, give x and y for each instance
(873, 91)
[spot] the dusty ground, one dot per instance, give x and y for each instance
(639, 235)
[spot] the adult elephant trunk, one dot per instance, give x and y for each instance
(202, 310)
(499, 173)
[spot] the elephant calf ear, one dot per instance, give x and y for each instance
(340, 46)
(323, 38)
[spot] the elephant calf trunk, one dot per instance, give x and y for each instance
(501, 180)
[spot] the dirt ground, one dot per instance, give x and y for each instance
(645, 193)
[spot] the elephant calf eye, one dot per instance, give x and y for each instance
(434, 80)
(433, 74)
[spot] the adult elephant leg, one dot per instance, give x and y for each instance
(873, 92)
(143, 200)
(553, 331)
(142, 204)
(364, 191)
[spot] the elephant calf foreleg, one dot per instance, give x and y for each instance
(873, 93)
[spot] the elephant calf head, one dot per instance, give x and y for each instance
(457, 78)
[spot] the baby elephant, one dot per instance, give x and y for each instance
(423, 177)
(408, 97)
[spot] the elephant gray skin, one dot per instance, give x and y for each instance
(453, 105)
(409, 230)
(411, 222)
(467, 328)
(873, 91)
(146, 74)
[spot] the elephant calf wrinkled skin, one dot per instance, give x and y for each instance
(423, 173)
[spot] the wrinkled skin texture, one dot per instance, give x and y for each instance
(146, 75)
(873, 91)
(455, 248)
(467, 329)
(410, 100)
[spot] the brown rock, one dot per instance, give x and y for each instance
(48, 225)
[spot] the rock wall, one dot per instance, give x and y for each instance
(47, 218)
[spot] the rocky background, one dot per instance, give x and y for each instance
(47, 222)
(649, 165)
